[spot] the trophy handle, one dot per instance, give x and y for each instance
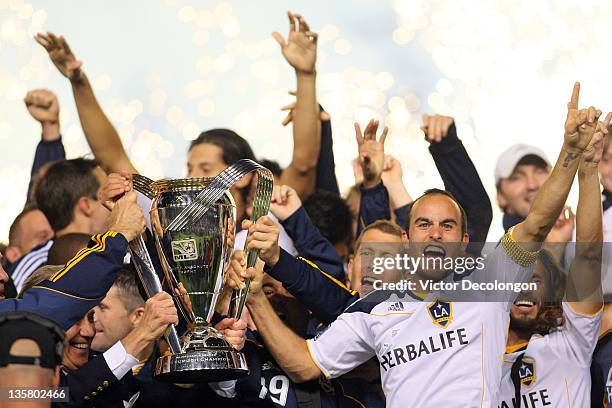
(151, 283)
(261, 205)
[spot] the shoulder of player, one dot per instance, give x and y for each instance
(381, 302)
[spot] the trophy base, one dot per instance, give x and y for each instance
(201, 366)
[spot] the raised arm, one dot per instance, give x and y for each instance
(460, 176)
(287, 348)
(580, 126)
(300, 51)
(101, 135)
(583, 291)
(43, 106)
(287, 207)
(374, 200)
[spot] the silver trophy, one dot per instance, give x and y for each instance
(193, 222)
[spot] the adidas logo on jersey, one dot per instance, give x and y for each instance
(396, 307)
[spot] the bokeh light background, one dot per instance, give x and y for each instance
(164, 70)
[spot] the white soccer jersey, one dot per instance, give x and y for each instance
(432, 353)
(555, 368)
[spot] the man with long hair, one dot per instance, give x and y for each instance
(551, 342)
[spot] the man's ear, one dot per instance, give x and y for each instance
(349, 271)
(136, 315)
(12, 253)
(244, 181)
(85, 206)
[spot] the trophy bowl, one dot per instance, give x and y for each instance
(193, 259)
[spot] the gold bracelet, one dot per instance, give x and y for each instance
(518, 254)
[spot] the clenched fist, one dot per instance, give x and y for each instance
(117, 184)
(285, 201)
(127, 218)
(263, 237)
(44, 107)
(436, 127)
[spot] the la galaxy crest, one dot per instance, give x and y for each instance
(527, 372)
(441, 313)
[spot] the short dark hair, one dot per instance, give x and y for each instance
(15, 230)
(234, 146)
(128, 290)
(437, 191)
(273, 166)
(65, 248)
(331, 215)
(59, 190)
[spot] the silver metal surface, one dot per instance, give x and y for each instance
(201, 366)
(150, 281)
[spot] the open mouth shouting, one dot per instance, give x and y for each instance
(524, 305)
(436, 251)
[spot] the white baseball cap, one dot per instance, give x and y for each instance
(508, 160)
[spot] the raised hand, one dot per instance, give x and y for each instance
(263, 236)
(323, 116)
(561, 232)
(234, 331)
(392, 171)
(300, 50)
(285, 201)
(236, 274)
(594, 151)
(436, 127)
(371, 152)
(42, 105)
(61, 55)
(580, 124)
(117, 184)
(127, 217)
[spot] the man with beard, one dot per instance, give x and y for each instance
(550, 343)
(433, 352)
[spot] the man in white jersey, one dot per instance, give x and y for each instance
(434, 352)
(548, 362)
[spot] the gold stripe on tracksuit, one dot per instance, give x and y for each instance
(99, 247)
(336, 281)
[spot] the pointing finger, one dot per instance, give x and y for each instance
(573, 104)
